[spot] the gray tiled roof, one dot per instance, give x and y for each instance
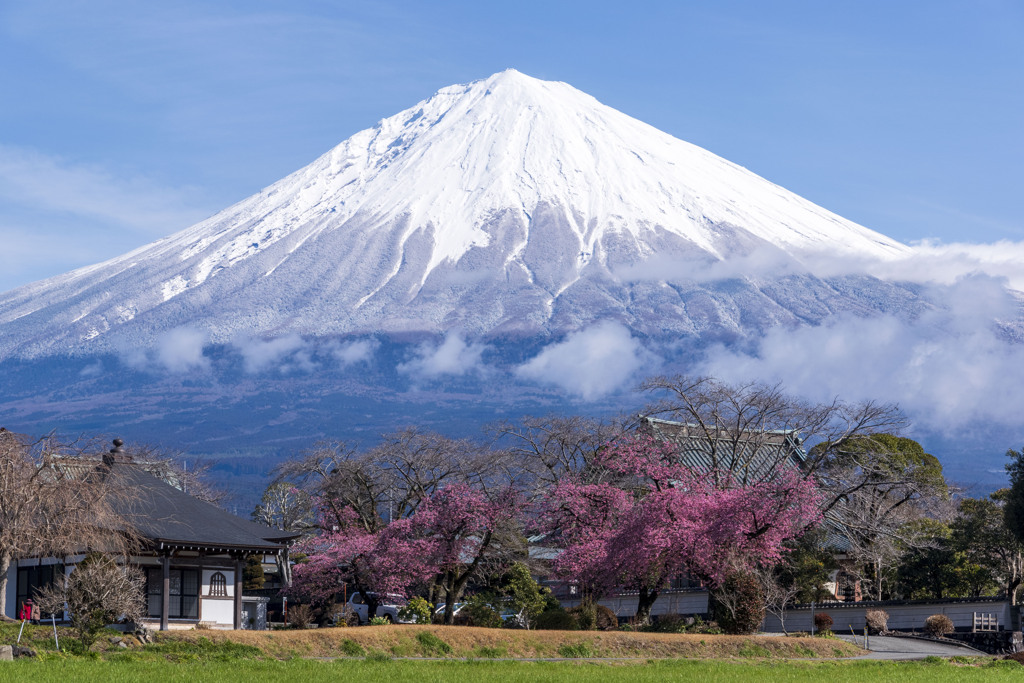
(165, 515)
(753, 454)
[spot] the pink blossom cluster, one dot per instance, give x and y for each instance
(656, 519)
(449, 528)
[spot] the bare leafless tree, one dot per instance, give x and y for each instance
(390, 480)
(175, 468)
(55, 502)
(740, 426)
(550, 448)
(779, 592)
(283, 506)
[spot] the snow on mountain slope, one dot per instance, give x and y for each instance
(506, 205)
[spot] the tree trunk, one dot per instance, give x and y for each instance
(284, 567)
(1011, 590)
(644, 604)
(435, 593)
(372, 601)
(5, 565)
(449, 598)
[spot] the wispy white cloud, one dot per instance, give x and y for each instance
(453, 356)
(590, 363)
(56, 185)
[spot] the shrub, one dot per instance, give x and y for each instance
(417, 610)
(557, 619)
(877, 620)
(709, 627)
(823, 623)
(351, 648)
(586, 615)
(679, 623)
(938, 625)
(668, 623)
(606, 619)
(479, 612)
(300, 616)
(379, 621)
(739, 605)
(575, 650)
(432, 645)
(97, 592)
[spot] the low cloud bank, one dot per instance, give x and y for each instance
(927, 262)
(949, 368)
(292, 353)
(590, 363)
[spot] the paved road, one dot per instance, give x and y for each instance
(883, 647)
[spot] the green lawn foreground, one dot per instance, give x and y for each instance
(398, 671)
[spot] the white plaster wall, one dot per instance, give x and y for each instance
(229, 576)
(851, 614)
(218, 611)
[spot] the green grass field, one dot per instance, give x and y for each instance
(399, 671)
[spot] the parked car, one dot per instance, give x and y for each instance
(356, 609)
(439, 611)
(509, 617)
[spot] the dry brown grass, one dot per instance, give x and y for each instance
(465, 641)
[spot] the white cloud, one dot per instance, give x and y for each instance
(590, 363)
(453, 356)
(947, 369)
(927, 262)
(285, 353)
(92, 369)
(178, 351)
(354, 352)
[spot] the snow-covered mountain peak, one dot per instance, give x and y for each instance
(509, 203)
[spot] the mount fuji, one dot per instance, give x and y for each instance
(503, 247)
(508, 206)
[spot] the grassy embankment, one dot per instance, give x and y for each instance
(366, 654)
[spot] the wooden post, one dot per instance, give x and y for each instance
(165, 593)
(238, 592)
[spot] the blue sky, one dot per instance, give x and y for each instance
(122, 122)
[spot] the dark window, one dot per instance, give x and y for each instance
(218, 585)
(154, 587)
(184, 593)
(31, 579)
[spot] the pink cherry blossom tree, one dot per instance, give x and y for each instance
(467, 529)
(654, 518)
(375, 563)
(448, 539)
